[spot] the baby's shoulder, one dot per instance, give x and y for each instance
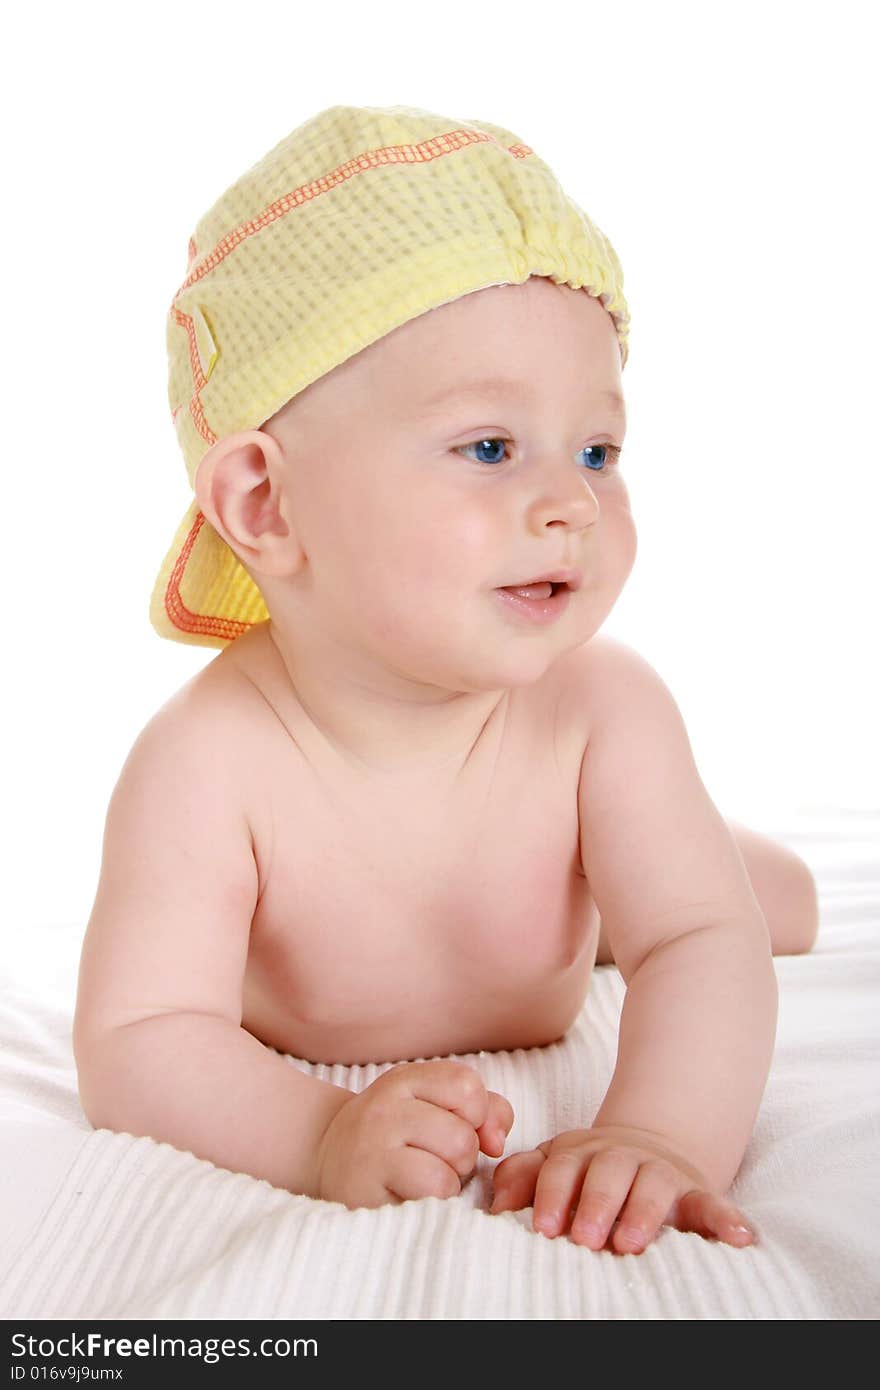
(600, 657)
(211, 720)
(589, 677)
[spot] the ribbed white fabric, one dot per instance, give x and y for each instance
(102, 1225)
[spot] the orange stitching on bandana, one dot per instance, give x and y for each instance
(195, 403)
(434, 148)
(181, 616)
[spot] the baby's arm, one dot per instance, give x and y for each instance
(695, 1046)
(699, 1018)
(203, 1084)
(157, 1037)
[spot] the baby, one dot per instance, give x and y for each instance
(417, 797)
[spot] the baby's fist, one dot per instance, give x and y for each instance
(414, 1132)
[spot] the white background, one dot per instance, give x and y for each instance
(728, 152)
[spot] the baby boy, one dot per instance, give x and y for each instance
(417, 797)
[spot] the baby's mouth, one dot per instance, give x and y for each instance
(540, 601)
(546, 589)
(546, 585)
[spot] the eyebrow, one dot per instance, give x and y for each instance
(501, 386)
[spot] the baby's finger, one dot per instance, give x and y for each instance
(413, 1173)
(605, 1187)
(437, 1130)
(514, 1181)
(556, 1192)
(650, 1201)
(710, 1215)
(494, 1131)
(454, 1085)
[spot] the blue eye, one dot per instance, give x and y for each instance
(478, 444)
(612, 453)
(613, 449)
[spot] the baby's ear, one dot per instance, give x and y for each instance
(239, 488)
(253, 452)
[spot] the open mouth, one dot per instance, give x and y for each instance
(540, 602)
(545, 589)
(548, 584)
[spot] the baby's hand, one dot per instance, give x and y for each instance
(609, 1170)
(415, 1131)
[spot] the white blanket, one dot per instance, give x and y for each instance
(101, 1225)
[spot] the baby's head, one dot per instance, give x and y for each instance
(433, 411)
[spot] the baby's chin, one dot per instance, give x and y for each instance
(491, 667)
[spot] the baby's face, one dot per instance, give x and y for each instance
(415, 492)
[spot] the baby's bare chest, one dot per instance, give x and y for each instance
(416, 920)
(374, 941)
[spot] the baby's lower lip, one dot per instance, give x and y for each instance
(537, 610)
